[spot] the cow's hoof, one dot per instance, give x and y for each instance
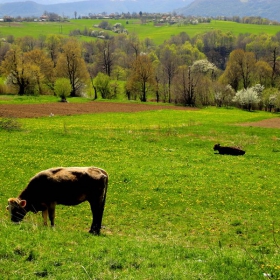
(94, 232)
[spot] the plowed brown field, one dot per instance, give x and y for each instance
(60, 108)
(269, 123)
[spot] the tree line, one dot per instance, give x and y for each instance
(213, 68)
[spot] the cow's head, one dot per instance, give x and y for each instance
(17, 209)
(216, 147)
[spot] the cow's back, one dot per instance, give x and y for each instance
(66, 185)
(97, 173)
(71, 174)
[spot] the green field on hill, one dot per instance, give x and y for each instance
(174, 210)
(157, 33)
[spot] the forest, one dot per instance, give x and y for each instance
(212, 68)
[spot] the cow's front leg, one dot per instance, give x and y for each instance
(45, 216)
(51, 210)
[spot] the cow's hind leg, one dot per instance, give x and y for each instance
(97, 204)
(97, 208)
(45, 216)
(97, 213)
(51, 210)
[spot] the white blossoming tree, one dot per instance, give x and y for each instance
(249, 97)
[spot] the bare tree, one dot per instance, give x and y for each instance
(142, 76)
(169, 61)
(134, 44)
(105, 56)
(185, 83)
(71, 65)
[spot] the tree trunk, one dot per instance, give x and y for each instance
(144, 99)
(95, 92)
(21, 89)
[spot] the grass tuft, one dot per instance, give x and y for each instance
(10, 124)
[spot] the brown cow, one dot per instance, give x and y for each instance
(62, 185)
(234, 151)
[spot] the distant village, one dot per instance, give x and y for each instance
(157, 18)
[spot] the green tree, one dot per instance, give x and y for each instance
(26, 43)
(240, 69)
(16, 71)
(223, 94)
(217, 45)
(44, 75)
(271, 99)
(188, 54)
(62, 88)
(54, 45)
(27, 71)
(263, 73)
(259, 45)
(101, 84)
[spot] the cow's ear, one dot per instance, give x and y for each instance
(8, 208)
(22, 203)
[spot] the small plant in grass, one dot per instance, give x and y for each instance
(62, 88)
(9, 124)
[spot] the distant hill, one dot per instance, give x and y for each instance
(264, 8)
(83, 8)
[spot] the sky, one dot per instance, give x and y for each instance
(42, 1)
(46, 2)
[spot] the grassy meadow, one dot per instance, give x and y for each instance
(174, 210)
(157, 33)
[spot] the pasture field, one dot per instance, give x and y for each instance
(157, 33)
(174, 210)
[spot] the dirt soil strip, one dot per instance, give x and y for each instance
(62, 109)
(269, 123)
(59, 108)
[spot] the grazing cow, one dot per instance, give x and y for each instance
(62, 185)
(234, 151)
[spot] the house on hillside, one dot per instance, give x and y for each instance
(44, 18)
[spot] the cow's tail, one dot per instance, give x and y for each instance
(105, 187)
(105, 181)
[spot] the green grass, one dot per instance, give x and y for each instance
(163, 33)
(33, 99)
(175, 210)
(157, 34)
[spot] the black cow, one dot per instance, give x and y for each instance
(234, 151)
(62, 185)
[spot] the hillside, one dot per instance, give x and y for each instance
(31, 8)
(263, 8)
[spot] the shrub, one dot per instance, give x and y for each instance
(9, 124)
